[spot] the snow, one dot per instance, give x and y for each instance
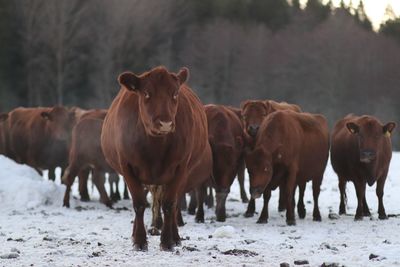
(35, 229)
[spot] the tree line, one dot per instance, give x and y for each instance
(328, 60)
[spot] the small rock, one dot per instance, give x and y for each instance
(333, 216)
(301, 262)
(15, 250)
(9, 256)
(330, 264)
(210, 236)
(191, 249)
(99, 244)
(96, 253)
(46, 238)
(387, 242)
(284, 264)
(373, 256)
(249, 241)
(106, 228)
(240, 252)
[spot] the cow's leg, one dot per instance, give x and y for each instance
(366, 211)
(179, 218)
(83, 180)
(301, 209)
(52, 174)
(251, 208)
(220, 210)
(139, 204)
(241, 170)
(126, 194)
(343, 197)
(113, 179)
(201, 192)
(68, 180)
(99, 180)
(379, 192)
(169, 234)
(316, 186)
(156, 222)
(210, 198)
(360, 190)
(192, 203)
(183, 202)
(282, 197)
(290, 190)
(264, 213)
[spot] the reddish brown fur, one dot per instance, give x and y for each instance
(291, 148)
(40, 137)
(156, 133)
(226, 140)
(253, 112)
(86, 153)
(361, 152)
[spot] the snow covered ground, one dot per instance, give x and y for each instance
(36, 231)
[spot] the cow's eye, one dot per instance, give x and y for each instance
(266, 169)
(146, 95)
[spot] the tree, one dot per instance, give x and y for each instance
(361, 17)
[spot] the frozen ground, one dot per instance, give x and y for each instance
(37, 231)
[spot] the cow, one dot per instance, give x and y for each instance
(86, 153)
(225, 135)
(155, 133)
(40, 137)
(361, 152)
(290, 149)
(253, 112)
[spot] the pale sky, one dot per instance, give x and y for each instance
(375, 9)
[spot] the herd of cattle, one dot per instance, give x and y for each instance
(160, 138)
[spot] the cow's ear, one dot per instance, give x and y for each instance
(352, 127)
(268, 107)
(129, 80)
(3, 117)
(388, 128)
(183, 75)
(46, 115)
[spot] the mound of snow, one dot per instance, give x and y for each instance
(226, 231)
(21, 187)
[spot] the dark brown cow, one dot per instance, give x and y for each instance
(155, 133)
(225, 135)
(253, 112)
(291, 148)
(361, 152)
(40, 137)
(86, 153)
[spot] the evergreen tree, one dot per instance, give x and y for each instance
(362, 18)
(274, 13)
(318, 9)
(391, 26)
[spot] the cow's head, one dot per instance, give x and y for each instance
(259, 166)
(158, 92)
(253, 113)
(60, 121)
(370, 134)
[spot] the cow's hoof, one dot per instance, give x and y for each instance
(358, 218)
(249, 214)
(383, 217)
(167, 248)
(199, 220)
(317, 218)
(154, 231)
(140, 247)
(262, 220)
(291, 222)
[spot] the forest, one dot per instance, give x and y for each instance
(327, 60)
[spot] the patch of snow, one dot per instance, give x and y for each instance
(226, 231)
(34, 226)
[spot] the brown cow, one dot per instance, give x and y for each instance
(86, 153)
(291, 148)
(40, 137)
(155, 133)
(361, 152)
(253, 112)
(225, 135)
